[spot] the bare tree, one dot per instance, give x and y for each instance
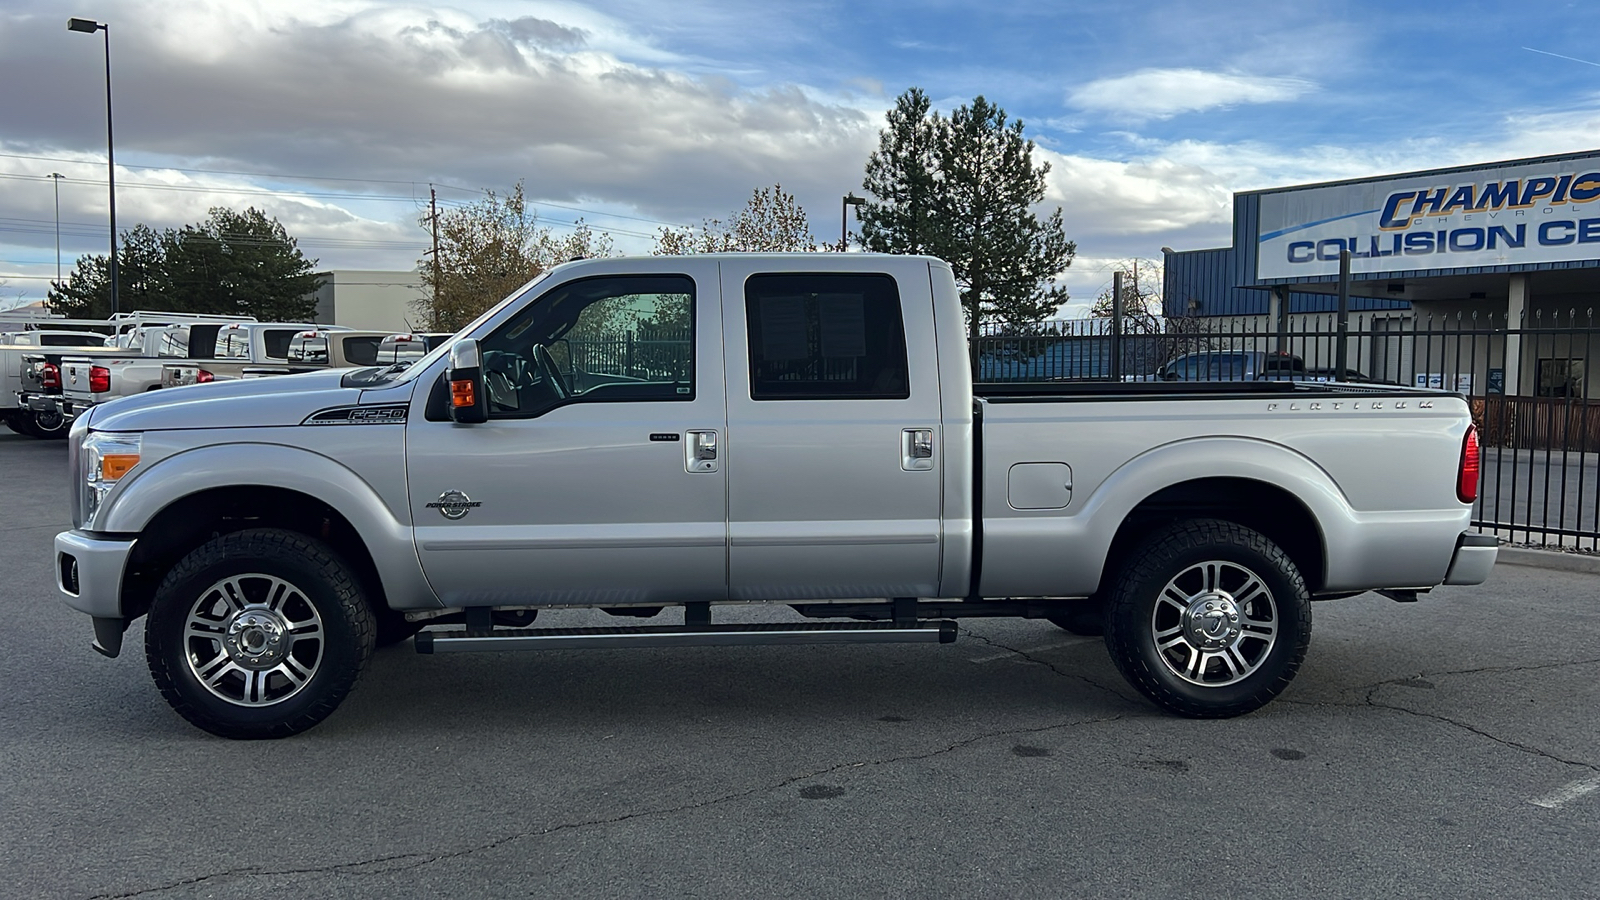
(488, 249)
(771, 221)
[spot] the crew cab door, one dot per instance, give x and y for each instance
(598, 478)
(834, 440)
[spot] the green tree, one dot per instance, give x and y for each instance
(489, 248)
(242, 263)
(237, 263)
(901, 175)
(771, 221)
(979, 217)
(141, 277)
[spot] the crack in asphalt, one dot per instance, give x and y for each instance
(1370, 701)
(1079, 676)
(408, 861)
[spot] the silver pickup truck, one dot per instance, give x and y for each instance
(683, 432)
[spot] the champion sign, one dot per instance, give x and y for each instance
(1489, 217)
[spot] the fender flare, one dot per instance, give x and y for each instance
(132, 505)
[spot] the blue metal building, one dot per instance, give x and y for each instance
(1480, 235)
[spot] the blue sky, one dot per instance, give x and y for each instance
(335, 116)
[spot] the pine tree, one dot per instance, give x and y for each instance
(238, 263)
(982, 185)
(141, 279)
(901, 175)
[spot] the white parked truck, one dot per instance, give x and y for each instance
(685, 432)
(216, 351)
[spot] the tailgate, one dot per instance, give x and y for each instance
(76, 375)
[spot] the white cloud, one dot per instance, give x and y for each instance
(1164, 93)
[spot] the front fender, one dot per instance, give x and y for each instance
(132, 506)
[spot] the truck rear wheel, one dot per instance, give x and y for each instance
(47, 424)
(1209, 619)
(258, 634)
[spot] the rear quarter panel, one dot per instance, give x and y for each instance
(1377, 472)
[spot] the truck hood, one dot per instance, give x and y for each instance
(279, 400)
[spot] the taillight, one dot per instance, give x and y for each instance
(50, 376)
(201, 376)
(1467, 479)
(99, 379)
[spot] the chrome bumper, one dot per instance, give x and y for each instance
(89, 572)
(48, 403)
(1474, 559)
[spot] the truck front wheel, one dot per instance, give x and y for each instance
(1209, 619)
(258, 634)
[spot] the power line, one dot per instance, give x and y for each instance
(413, 198)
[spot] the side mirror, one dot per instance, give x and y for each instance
(467, 401)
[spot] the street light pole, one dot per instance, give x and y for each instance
(848, 201)
(56, 177)
(90, 26)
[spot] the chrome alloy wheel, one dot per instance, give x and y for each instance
(1215, 623)
(253, 640)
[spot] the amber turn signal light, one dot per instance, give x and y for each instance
(462, 394)
(115, 465)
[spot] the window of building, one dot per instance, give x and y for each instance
(826, 337)
(1560, 378)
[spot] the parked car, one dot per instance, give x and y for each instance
(1332, 373)
(1232, 365)
(809, 437)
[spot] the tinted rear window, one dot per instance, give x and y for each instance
(361, 351)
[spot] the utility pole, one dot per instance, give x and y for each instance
(433, 223)
(56, 178)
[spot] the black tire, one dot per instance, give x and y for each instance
(1212, 666)
(330, 646)
(47, 425)
(1086, 618)
(14, 421)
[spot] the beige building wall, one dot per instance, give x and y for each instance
(368, 299)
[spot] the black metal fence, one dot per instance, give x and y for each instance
(1532, 386)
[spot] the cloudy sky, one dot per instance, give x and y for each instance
(336, 115)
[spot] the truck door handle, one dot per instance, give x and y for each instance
(700, 451)
(916, 449)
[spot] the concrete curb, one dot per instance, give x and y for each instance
(1549, 559)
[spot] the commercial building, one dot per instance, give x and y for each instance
(368, 299)
(1480, 278)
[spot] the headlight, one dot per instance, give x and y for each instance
(106, 457)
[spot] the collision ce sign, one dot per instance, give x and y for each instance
(454, 505)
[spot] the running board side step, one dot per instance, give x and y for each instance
(943, 632)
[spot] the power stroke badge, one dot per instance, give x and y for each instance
(454, 505)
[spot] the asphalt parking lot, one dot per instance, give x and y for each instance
(1448, 748)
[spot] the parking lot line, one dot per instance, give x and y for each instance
(1569, 793)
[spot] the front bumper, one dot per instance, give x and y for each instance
(89, 572)
(1474, 559)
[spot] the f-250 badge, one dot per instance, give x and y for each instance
(454, 505)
